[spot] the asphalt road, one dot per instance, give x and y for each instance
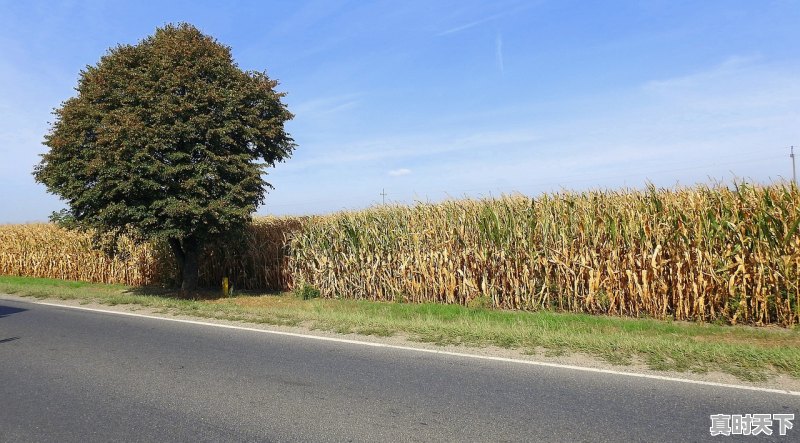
(69, 375)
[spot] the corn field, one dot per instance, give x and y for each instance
(701, 254)
(704, 254)
(256, 260)
(45, 250)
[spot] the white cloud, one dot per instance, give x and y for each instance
(399, 172)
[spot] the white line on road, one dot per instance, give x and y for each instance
(431, 351)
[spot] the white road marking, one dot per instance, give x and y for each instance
(431, 351)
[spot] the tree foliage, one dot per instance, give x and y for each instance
(169, 139)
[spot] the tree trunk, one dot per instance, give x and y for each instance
(187, 254)
(191, 272)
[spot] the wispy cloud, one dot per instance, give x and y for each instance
(306, 16)
(421, 146)
(729, 118)
(737, 83)
(498, 51)
(470, 25)
(735, 65)
(326, 105)
(399, 172)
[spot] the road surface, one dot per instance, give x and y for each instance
(71, 375)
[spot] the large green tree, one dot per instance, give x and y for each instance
(169, 139)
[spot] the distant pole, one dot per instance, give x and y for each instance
(383, 194)
(794, 171)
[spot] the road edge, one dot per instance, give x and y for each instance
(417, 349)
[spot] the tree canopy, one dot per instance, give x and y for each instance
(169, 139)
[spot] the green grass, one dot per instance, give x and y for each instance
(746, 352)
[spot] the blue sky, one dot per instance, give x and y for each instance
(436, 99)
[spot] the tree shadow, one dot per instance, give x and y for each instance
(8, 310)
(198, 294)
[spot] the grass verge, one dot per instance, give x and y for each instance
(746, 352)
